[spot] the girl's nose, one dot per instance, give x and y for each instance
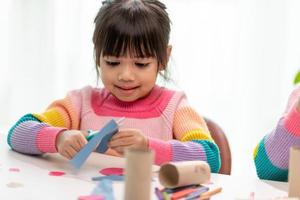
(126, 74)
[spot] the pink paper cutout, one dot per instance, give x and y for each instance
(56, 173)
(112, 171)
(14, 169)
(91, 197)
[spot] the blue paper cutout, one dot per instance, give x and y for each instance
(111, 177)
(104, 188)
(106, 132)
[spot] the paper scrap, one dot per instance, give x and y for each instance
(56, 173)
(91, 197)
(14, 185)
(14, 169)
(112, 171)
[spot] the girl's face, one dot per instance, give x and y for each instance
(128, 78)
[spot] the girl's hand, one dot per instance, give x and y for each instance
(69, 142)
(128, 138)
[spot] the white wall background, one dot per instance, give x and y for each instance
(235, 59)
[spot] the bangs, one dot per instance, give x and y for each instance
(120, 41)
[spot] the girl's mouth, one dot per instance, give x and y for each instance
(126, 90)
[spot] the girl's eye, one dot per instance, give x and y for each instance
(111, 63)
(142, 64)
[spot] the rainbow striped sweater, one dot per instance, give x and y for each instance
(271, 155)
(174, 130)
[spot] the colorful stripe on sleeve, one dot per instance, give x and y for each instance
(21, 136)
(193, 141)
(191, 129)
(265, 168)
(271, 156)
(36, 133)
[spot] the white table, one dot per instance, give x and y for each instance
(37, 184)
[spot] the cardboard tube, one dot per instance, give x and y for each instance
(176, 174)
(294, 172)
(138, 172)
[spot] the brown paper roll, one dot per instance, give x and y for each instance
(178, 174)
(294, 172)
(138, 172)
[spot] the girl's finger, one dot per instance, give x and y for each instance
(82, 142)
(120, 149)
(122, 134)
(85, 133)
(71, 151)
(76, 145)
(66, 154)
(121, 142)
(79, 144)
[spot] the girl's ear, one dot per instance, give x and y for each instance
(169, 50)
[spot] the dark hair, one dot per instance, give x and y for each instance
(139, 27)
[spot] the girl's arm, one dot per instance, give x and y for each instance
(192, 140)
(36, 133)
(271, 155)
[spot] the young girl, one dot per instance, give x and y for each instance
(131, 48)
(271, 155)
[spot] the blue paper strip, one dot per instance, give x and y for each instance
(108, 130)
